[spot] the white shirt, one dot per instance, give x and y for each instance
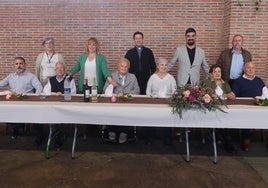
(90, 71)
(161, 87)
(48, 65)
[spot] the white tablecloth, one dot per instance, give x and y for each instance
(155, 115)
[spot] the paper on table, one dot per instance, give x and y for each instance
(264, 93)
(4, 92)
(109, 91)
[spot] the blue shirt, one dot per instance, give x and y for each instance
(237, 65)
(22, 83)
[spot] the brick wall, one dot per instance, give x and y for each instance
(24, 24)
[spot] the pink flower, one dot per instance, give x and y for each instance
(206, 98)
(186, 93)
(191, 98)
(8, 96)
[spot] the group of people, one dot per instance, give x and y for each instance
(232, 76)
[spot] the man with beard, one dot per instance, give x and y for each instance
(232, 60)
(190, 59)
(21, 82)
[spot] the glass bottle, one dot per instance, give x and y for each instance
(67, 89)
(86, 91)
(94, 91)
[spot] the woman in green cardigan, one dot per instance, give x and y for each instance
(92, 65)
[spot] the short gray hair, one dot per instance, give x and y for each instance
(162, 60)
(48, 39)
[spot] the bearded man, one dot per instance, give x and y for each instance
(190, 59)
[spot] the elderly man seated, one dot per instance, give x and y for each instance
(56, 85)
(248, 85)
(20, 82)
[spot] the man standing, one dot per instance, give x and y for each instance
(232, 63)
(142, 62)
(190, 59)
(232, 60)
(21, 81)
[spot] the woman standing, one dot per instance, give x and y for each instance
(92, 65)
(45, 62)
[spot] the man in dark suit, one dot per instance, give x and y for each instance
(142, 61)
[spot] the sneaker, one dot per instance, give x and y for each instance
(111, 136)
(15, 134)
(122, 138)
(229, 147)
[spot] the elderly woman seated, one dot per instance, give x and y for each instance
(223, 90)
(161, 84)
(126, 84)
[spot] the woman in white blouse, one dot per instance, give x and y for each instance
(161, 83)
(45, 62)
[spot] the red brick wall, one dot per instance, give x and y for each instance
(24, 24)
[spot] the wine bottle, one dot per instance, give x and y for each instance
(94, 91)
(86, 91)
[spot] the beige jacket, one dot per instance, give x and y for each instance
(39, 69)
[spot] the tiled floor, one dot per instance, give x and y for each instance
(257, 157)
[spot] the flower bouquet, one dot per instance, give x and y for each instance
(262, 102)
(125, 97)
(15, 95)
(195, 98)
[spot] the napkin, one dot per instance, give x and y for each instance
(4, 92)
(264, 93)
(162, 93)
(46, 90)
(109, 91)
(219, 92)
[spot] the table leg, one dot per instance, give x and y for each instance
(48, 141)
(214, 146)
(187, 145)
(74, 140)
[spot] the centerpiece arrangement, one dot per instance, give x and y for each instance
(199, 98)
(15, 95)
(125, 97)
(262, 102)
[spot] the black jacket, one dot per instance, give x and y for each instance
(142, 68)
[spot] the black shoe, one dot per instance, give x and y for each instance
(230, 148)
(168, 141)
(39, 140)
(149, 141)
(58, 143)
(15, 134)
